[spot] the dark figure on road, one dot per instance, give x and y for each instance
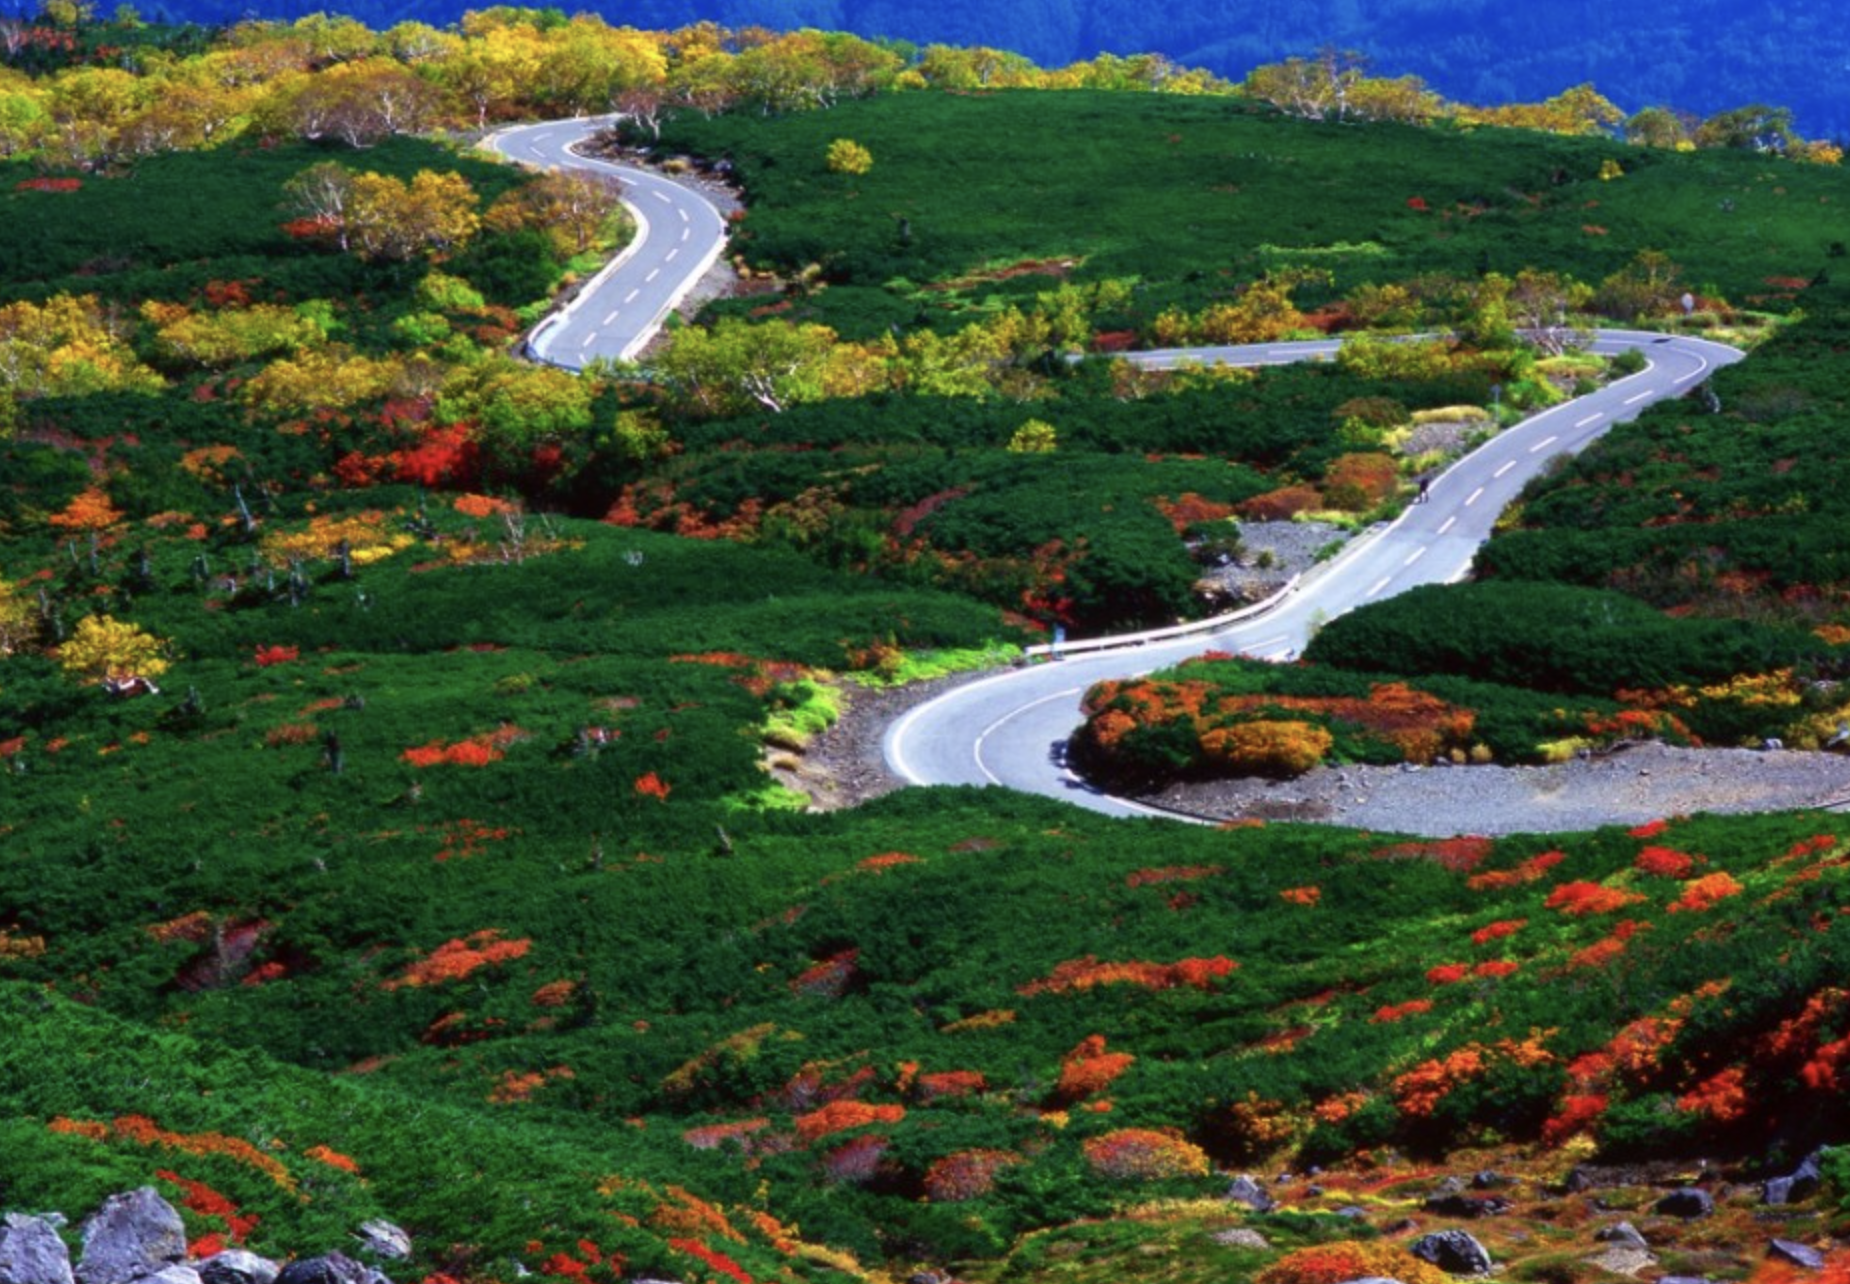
(1425, 485)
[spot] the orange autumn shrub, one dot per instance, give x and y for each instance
(1088, 1069)
(1721, 1097)
(1705, 892)
(839, 1116)
(1301, 895)
(1144, 1154)
(1358, 482)
(1350, 1260)
(1085, 973)
(143, 1131)
(1419, 1091)
(332, 1158)
(1532, 870)
(1267, 747)
(456, 959)
(952, 1083)
(1581, 899)
(89, 510)
(1281, 505)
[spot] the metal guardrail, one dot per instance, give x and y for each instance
(1211, 625)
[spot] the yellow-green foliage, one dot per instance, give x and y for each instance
(804, 710)
(848, 157)
(66, 347)
(102, 647)
(1450, 414)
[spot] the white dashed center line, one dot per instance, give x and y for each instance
(1543, 444)
(1474, 496)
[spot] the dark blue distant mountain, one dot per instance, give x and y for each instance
(1699, 55)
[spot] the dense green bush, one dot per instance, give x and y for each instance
(1554, 638)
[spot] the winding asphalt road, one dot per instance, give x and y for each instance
(680, 234)
(1011, 729)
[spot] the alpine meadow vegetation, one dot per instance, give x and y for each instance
(391, 818)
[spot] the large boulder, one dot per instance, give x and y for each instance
(31, 1252)
(1786, 1250)
(1621, 1233)
(1467, 1206)
(1244, 1190)
(238, 1266)
(176, 1274)
(382, 1239)
(1798, 1184)
(1455, 1252)
(134, 1234)
(329, 1268)
(1688, 1203)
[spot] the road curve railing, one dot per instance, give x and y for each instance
(1009, 729)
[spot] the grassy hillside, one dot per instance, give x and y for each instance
(1192, 196)
(427, 869)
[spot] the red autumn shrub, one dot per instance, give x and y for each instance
(1498, 930)
(1703, 893)
(966, 1174)
(1664, 862)
(1399, 1011)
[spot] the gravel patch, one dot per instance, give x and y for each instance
(1293, 549)
(846, 765)
(1627, 787)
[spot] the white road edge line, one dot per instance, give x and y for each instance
(1010, 716)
